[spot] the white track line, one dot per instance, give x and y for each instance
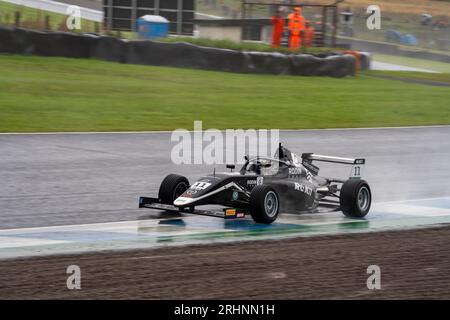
(168, 131)
(97, 225)
(128, 223)
(410, 200)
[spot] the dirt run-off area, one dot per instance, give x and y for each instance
(413, 263)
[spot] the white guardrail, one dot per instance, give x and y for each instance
(58, 7)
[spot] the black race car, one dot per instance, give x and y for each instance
(264, 187)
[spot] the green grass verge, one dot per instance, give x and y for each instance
(438, 77)
(413, 62)
(59, 94)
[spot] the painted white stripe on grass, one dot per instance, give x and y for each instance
(170, 131)
(377, 65)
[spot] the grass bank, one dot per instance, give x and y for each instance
(59, 94)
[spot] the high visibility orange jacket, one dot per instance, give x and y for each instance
(309, 36)
(277, 31)
(296, 23)
(278, 23)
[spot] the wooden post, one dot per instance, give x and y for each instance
(335, 18)
(180, 17)
(157, 7)
(243, 16)
(133, 15)
(324, 25)
(109, 21)
(47, 23)
(17, 19)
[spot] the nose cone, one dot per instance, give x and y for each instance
(183, 201)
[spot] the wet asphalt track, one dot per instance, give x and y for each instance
(61, 179)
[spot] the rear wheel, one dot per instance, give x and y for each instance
(264, 204)
(172, 187)
(355, 198)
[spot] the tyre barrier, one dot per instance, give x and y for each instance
(271, 63)
(366, 60)
(184, 55)
(109, 49)
(180, 54)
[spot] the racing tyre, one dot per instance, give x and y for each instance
(172, 187)
(264, 204)
(355, 198)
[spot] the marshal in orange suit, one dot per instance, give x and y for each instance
(278, 28)
(308, 34)
(296, 25)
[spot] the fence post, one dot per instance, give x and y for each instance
(47, 23)
(243, 17)
(109, 22)
(324, 25)
(335, 21)
(17, 19)
(133, 15)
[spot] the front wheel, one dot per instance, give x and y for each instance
(264, 204)
(355, 198)
(172, 187)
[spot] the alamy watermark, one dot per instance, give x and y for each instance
(373, 21)
(229, 146)
(73, 21)
(374, 280)
(74, 279)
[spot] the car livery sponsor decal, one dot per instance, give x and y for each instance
(308, 175)
(200, 185)
(181, 200)
(295, 171)
(302, 188)
(230, 212)
(298, 171)
(258, 181)
(311, 167)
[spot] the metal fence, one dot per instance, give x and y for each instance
(122, 14)
(323, 17)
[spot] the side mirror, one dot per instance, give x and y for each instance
(246, 158)
(231, 166)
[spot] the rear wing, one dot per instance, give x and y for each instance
(356, 163)
(319, 157)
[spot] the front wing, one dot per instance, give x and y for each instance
(225, 213)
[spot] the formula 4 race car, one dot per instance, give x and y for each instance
(264, 187)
